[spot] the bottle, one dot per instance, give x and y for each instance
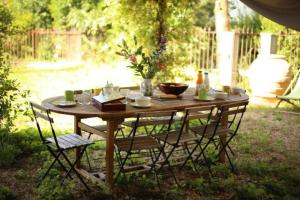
(199, 82)
(206, 81)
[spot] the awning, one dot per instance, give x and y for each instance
(285, 12)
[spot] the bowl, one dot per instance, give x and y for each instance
(143, 101)
(173, 88)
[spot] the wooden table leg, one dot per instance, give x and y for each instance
(224, 123)
(112, 126)
(78, 132)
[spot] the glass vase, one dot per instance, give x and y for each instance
(146, 87)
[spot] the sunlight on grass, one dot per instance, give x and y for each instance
(45, 82)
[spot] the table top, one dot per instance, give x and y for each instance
(187, 100)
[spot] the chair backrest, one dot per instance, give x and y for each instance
(233, 114)
(164, 118)
(294, 85)
(154, 118)
(42, 113)
(202, 114)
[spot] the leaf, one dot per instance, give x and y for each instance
(139, 50)
(124, 44)
(135, 40)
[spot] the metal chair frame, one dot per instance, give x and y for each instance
(236, 110)
(53, 146)
(194, 113)
(156, 152)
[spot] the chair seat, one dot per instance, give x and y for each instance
(139, 143)
(208, 133)
(69, 141)
(173, 136)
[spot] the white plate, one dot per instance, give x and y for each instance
(139, 106)
(208, 98)
(64, 103)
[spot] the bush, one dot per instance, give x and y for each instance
(250, 192)
(10, 105)
(13, 145)
(5, 193)
(52, 188)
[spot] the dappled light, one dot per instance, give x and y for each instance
(149, 100)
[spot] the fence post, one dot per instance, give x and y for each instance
(228, 58)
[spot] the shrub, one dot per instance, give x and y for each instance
(10, 105)
(5, 193)
(250, 191)
(51, 188)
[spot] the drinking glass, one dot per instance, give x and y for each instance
(85, 97)
(126, 94)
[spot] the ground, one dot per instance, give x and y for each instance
(267, 160)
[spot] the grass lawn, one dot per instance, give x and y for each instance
(267, 152)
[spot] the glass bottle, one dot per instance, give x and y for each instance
(206, 81)
(199, 82)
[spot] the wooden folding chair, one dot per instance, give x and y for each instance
(143, 145)
(292, 93)
(233, 114)
(58, 145)
(185, 140)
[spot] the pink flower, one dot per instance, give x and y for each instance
(132, 58)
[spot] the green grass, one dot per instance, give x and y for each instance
(266, 152)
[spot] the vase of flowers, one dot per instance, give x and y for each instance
(146, 87)
(144, 65)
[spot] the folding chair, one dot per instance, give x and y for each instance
(185, 140)
(58, 145)
(143, 146)
(292, 92)
(233, 114)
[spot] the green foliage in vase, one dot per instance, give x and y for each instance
(145, 65)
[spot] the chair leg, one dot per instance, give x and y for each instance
(122, 164)
(190, 154)
(73, 167)
(172, 172)
(226, 153)
(206, 160)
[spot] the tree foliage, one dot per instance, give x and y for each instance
(9, 92)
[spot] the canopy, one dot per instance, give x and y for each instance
(285, 12)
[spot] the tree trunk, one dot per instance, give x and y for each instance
(162, 4)
(222, 23)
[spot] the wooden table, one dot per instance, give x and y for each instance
(115, 118)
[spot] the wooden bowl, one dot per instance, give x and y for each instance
(173, 88)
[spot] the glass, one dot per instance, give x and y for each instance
(202, 92)
(146, 87)
(126, 94)
(85, 97)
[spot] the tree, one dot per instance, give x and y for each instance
(9, 92)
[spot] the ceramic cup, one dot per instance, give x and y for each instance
(69, 95)
(237, 90)
(226, 88)
(221, 95)
(143, 101)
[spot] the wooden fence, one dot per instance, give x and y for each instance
(203, 49)
(57, 45)
(45, 45)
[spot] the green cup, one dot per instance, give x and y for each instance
(202, 93)
(69, 95)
